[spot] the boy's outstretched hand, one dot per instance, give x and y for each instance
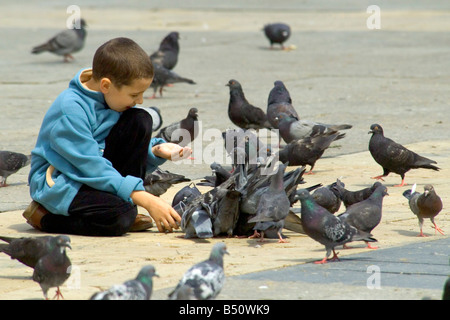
(166, 218)
(171, 151)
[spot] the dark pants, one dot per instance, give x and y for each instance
(99, 213)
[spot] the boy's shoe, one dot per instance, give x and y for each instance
(141, 223)
(34, 213)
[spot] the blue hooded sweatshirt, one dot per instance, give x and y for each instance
(72, 140)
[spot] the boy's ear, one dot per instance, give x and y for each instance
(105, 85)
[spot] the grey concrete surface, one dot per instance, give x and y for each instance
(340, 72)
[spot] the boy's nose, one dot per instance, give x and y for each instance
(140, 99)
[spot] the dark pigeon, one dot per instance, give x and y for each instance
(279, 101)
(225, 206)
(277, 33)
(182, 132)
(308, 150)
(10, 163)
(241, 112)
(394, 157)
(426, 205)
(28, 250)
(351, 197)
(206, 278)
(139, 288)
(163, 77)
(159, 181)
(220, 175)
(167, 54)
(325, 228)
(366, 215)
(292, 129)
(186, 195)
(328, 197)
(53, 269)
(66, 42)
(273, 207)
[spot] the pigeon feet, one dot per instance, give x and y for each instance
(380, 177)
(401, 184)
(58, 294)
(436, 228)
(369, 246)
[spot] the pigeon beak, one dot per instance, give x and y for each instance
(156, 275)
(68, 246)
(426, 193)
(371, 131)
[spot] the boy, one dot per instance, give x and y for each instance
(94, 148)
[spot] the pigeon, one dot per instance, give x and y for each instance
(351, 197)
(424, 205)
(394, 157)
(220, 175)
(328, 197)
(277, 33)
(325, 228)
(10, 163)
(139, 288)
(155, 113)
(366, 215)
(225, 206)
(186, 194)
(159, 181)
(66, 42)
(273, 207)
(257, 185)
(28, 250)
(167, 54)
(182, 132)
(206, 278)
(293, 222)
(292, 129)
(308, 150)
(196, 217)
(53, 269)
(279, 101)
(241, 112)
(446, 291)
(163, 76)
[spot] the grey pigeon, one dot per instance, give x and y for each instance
(277, 33)
(325, 228)
(155, 113)
(66, 42)
(28, 250)
(196, 217)
(279, 101)
(308, 150)
(292, 129)
(163, 77)
(139, 288)
(328, 197)
(225, 206)
(394, 157)
(206, 278)
(366, 215)
(257, 185)
(167, 53)
(10, 163)
(181, 132)
(273, 206)
(220, 175)
(53, 269)
(351, 197)
(426, 205)
(241, 112)
(159, 181)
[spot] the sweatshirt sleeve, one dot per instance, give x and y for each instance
(154, 161)
(82, 161)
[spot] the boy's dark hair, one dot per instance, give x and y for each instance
(121, 60)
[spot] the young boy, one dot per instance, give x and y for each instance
(94, 148)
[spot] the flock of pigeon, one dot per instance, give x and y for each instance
(244, 201)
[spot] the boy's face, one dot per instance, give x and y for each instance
(125, 97)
